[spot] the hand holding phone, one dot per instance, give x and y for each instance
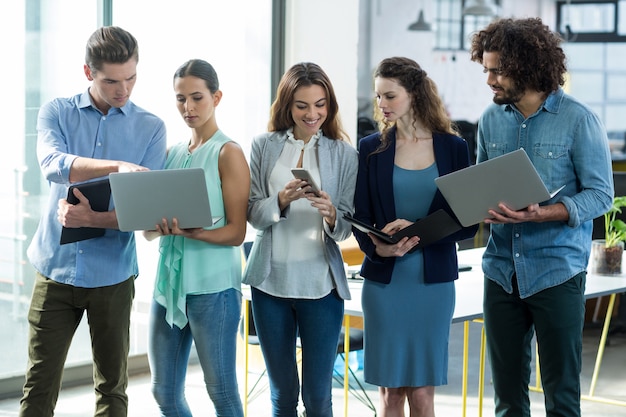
(304, 175)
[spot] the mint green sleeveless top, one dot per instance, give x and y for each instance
(188, 266)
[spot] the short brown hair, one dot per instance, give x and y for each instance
(110, 44)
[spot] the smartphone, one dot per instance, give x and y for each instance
(304, 175)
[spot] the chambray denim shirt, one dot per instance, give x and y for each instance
(69, 128)
(568, 146)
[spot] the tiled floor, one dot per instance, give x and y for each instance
(78, 402)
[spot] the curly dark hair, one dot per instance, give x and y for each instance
(426, 104)
(305, 74)
(530, 53)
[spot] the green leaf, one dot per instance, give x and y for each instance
(615, 229)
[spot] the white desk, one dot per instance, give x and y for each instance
(469, 290)
(469, 307)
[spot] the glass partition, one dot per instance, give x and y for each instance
(46, 50)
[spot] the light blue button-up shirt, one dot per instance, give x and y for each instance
(69, 128)
(568, 146)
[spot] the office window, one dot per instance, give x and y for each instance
(597, 76)
(592, 20)
(449, 27)
(47, 54)
(46, 61)
(453, 30)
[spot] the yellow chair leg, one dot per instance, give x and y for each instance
(246, 327)
(465, 364)
(346, 364)
(605, 332)
(481, 375)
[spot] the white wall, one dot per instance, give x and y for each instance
(349, 37)
(326, 32)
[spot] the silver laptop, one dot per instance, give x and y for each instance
(510, 179)
(143, 198)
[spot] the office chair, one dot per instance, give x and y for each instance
(468, 131)
(356, 343)
(252, 339)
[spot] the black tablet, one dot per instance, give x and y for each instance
(99, 195)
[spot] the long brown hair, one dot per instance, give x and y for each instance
(426, 105)
(299, 75)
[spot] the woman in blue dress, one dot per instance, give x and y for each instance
(408, 293)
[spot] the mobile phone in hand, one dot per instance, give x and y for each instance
(304, 175)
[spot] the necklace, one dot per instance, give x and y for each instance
(418, 138)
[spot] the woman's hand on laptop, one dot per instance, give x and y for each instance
(165, 229)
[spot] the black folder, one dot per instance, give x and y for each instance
(431, 228)
(99, 194)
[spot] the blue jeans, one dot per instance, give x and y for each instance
(279, 321)
(213, 324)
(556, 315)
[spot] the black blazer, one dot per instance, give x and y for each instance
(374, 204)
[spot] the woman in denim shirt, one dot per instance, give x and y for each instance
(536, 258)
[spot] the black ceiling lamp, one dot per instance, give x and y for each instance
(420, 25)
(480, 8)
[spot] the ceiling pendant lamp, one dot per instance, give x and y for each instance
(479, 8)
(420, 24)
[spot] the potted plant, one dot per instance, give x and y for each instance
(607, 253)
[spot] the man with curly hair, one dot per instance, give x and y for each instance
(536, 258)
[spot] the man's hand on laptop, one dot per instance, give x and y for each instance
(124, 166)
(506, 215)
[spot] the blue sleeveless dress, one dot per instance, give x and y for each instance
(407, 322)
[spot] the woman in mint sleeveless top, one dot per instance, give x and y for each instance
(197, 293)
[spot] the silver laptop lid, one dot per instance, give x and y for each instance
(510, 178)
(143, 198)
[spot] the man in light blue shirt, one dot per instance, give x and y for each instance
(536, 258)
(83, 138)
